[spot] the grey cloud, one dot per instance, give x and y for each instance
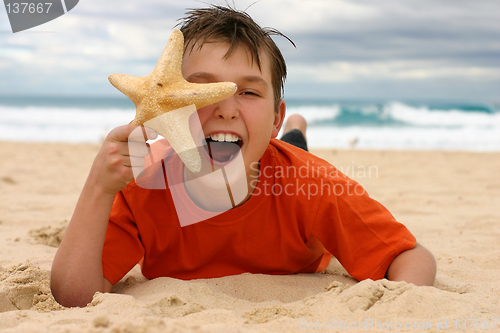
(438, 30)
(103, 37)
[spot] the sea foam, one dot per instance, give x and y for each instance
(366, 125)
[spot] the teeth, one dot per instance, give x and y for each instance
(221, 137)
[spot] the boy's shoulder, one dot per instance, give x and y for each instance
(286, 153)
(286, 156)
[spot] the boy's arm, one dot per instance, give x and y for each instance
(77, 267)
(415, 266)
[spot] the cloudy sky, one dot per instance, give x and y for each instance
(362, 49)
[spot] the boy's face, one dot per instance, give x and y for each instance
(249, 113)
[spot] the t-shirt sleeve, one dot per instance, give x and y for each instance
(359, 231)
(122, 246)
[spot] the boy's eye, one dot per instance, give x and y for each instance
(251, 93)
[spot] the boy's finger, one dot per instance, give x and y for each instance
(122, 133)
(138, 148)
(150, 133)
(138, 134)
(136, 161)
(142, 134)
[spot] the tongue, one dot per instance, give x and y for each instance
(222, 151)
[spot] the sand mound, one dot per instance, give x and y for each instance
(48, 235)
(25, 287)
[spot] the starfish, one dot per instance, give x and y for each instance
(164, 100)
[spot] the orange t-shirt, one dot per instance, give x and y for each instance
(302, 211)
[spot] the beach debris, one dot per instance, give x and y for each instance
(353, 142)
(165, 90)
(101, 321)
(8, 180)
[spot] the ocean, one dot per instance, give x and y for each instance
(400, 125)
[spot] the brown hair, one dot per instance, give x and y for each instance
(225, 24)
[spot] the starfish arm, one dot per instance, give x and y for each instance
(174, 126)
(170, 63)
(128, 85)
(199, 94)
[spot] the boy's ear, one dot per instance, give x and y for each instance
(278, 119)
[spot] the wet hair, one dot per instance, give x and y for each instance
(225, 24)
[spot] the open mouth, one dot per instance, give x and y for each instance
(222, 147)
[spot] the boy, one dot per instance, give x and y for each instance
(281, 227)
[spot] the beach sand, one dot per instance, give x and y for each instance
(449, 200)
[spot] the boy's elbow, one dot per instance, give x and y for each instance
(428, 266)
(71, 295)
(416, 266)
(70, 299)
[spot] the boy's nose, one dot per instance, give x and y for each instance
(227, 109)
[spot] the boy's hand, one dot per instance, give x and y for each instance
(123, 150)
